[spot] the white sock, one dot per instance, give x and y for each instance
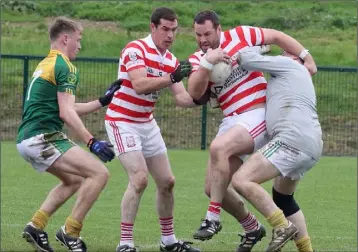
(169, 239)
(212, 216)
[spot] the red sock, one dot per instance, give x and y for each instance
(167, 229)
(214, 211)
(250, 223)
(126, 234)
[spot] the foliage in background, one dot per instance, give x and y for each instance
(326, 28)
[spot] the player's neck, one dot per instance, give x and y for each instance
(60, 49)
(156, 43)
(160, 50)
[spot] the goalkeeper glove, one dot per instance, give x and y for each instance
(183, 70)
(101, 149)
(107, 97)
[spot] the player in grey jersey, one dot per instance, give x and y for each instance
(295, 146)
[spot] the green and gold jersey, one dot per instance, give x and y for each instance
(41, 111)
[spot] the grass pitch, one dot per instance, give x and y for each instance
(327, 196)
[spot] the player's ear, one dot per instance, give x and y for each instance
(152, 27)
(65, 38)
(219, 28)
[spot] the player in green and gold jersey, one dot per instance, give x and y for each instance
(49, 104)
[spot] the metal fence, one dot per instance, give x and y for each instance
(184, 128)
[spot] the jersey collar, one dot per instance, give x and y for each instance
(55, 52)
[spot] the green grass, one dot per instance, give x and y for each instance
(327, 196)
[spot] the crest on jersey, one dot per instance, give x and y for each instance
(71, 78)
(130, 141)
(132, 56)
(218, 89)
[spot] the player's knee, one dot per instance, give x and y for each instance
(168, 184)
(102, 175)
(286, 203)
(217, 149)
(238, 183)
(139, 181)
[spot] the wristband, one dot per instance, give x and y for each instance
(171, 79)
(90, 142)
(303, 54)
(206, 64)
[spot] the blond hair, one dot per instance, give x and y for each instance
(63, 24)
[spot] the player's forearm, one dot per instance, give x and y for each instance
(284, 41)
(73, 121)
(275, 65)
(87, 108)
(252, 61)
(147, 85)
(184, 100)
(198, 83)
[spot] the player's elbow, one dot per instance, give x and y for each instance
(65, 114)
(196, 89)
(138, 88)
(195, 94)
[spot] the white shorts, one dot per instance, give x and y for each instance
(253, 121)
(289, 161)
(145, 137)
(42, 150)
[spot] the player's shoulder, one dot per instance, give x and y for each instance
(241, 29)
(142, 43)
(197, 54)
(63, 64)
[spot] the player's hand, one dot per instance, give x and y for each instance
(310, 64)
(217, 55)
(107, 97)
(183, 70)
(214, 101)
(101, 149)
(265, 49)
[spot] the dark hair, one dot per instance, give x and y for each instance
(162, 13)
(63, 24)
(205, 15)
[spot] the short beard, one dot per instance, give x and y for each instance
(218, 45)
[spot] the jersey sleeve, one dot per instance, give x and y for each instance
(253, 36)
(66, 79)
(177, 63)
(195, 62)
(276, 65)
(133, 57)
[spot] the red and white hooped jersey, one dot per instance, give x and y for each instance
(242, 89)
(127, 105)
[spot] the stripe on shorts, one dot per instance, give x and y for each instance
(268, 152)
(117, 137)
(57, 147)
(258, 129)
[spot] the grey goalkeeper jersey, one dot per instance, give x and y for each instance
(291, 114)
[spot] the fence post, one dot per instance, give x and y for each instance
(203, 126)
(25, 80)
